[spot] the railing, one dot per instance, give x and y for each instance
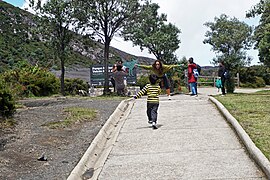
(211, 80)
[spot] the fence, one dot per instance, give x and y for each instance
(211, 80)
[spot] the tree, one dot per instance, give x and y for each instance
(55, 19)
(229, 39)
(105, 18)
(150, 31)
(262, 31)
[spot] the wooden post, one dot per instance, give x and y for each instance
(238, 80)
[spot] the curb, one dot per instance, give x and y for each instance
(95, 156)
(255, 153)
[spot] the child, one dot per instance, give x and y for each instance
(218, 83)
(152, 90)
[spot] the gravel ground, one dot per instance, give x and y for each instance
(21, 146)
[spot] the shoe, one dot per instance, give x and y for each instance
(169, 97)
(154, 126)
(150, 122)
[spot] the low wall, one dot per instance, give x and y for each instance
(131, 90)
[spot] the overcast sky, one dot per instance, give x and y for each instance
(189, 16)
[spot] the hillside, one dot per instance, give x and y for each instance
(17, 43)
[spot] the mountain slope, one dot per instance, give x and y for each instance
(17, 43)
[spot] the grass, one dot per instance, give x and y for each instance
(7, 123)
(252, 111)
(74, 115)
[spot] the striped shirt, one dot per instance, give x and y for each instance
(152, 92)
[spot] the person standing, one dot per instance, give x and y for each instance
(192, 79)
(119, 76)
(152, 90)
(221, 74)
(160, 70)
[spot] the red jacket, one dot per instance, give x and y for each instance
(191, 77)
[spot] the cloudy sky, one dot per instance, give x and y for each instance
(189, 16)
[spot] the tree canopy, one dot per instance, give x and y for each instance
(229, 39)
(55, 19)
(262, 31)
(150, 31)
(103, 19)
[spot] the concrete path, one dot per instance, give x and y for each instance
(193, 141)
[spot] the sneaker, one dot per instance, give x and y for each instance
(154, 126)
(150, 122)
(169, 97)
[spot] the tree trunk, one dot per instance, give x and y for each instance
(62, 76)
(106, 90)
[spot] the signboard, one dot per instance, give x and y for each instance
(97, 75)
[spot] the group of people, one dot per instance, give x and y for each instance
(153, 89)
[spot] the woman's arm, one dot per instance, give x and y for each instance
(148, 67)
(168, 67)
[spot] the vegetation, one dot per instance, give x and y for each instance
(252, 111)
(18, 43)
(74, 115)
(150, 31)
(262, 31)
(72, 86)
(104, 19)
(229, 38)
(7, 103)
(28, 81)
(254, 76)
(54, 21)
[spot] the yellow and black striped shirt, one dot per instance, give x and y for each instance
(152, 92)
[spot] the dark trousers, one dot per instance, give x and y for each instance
(152, 112)
(223, 86)
(165, 81)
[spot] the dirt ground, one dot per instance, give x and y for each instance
(21, 146)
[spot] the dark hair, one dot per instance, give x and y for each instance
(119, 67)
(190, 60)
(153, 78)
(154, 65)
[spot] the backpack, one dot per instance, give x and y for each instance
(226, 74)
(197, 71)
(218, 83)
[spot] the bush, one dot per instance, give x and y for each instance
(229, 84)
(28, 81)
(259, 82)
(7, 103)
(142, 81)
(72, 86)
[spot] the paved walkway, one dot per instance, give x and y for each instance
(193, 142)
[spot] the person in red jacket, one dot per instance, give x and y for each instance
(192, 79)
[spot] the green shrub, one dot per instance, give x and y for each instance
(7, 102)
(259, 82)
(28, 81)
(72, 86)
(229, 84)
(142, 81)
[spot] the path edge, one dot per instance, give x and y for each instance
(95, 156)
(254, 152)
